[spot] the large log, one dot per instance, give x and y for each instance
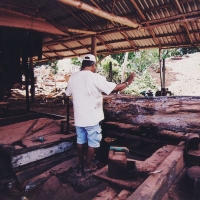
(174, 113)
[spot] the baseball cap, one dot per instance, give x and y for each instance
(89, 57)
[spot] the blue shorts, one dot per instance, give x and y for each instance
(90, 134)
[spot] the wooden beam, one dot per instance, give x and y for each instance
(94, 46)
(185, 24)
(156, 185)
(74, 15)
(67, 29)
(18, 20)
(129, 41)
(144, 18)
(100, 13)
(70, 49)
(197, 13)
(99, 38)
(122, 50)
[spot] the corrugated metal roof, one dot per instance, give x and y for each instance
(119, 25)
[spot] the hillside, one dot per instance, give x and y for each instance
(182, 76)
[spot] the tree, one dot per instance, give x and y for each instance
(76, 61)
(54, 67)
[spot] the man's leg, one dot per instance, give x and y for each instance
(94, 137)
(80, 150)
(90, 154)
(81, 141)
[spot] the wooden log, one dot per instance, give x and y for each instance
(174, 113)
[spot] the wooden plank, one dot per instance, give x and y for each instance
(39, 154)
(156, 185)
(13, 19)
(38, 168)
(108, 193)
(56, 139)
(143, 169)
(17, 119)
(128, 184)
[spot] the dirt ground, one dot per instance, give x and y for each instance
(52, 188)
(182, 76)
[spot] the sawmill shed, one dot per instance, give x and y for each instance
(39, 31)
(35, 32)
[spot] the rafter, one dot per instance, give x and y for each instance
(147, 24)
(71, 39)
(185, 24)
(74, 15)
(100, 39)
(100, 13)
(129, 41)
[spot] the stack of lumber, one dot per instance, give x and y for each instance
(34, 146)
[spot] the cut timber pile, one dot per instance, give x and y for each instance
(167, 114)
(34, 146)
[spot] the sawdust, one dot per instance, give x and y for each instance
(182, 76)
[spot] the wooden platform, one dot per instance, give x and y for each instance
(3, 108)
(156, 185)
(34, 146)
(143, 169)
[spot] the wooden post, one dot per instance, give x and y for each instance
(163, 90)
(124, 66)
(67, 115)
(110, 72)
(25, 65)
(31, 69)
(160, 68)
(163, 71)
(94, 45)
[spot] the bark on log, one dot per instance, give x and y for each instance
(174, 113)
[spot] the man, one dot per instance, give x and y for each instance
(86, 87)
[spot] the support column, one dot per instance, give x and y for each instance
(31, 70)
(26, 67)
(110, 71)
(160, 64)
(94, 45)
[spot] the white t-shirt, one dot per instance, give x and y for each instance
(86, 88)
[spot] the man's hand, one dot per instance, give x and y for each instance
(130, 78)
(123, 85)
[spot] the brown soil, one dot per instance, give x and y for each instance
(182, 76)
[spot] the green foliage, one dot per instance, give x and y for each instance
(166, 53)
(145, 58)
(54, 67)
(188, 50)
(75, 61)
(105, 68)
(141, 83)
(118, 57)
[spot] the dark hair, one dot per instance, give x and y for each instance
(87, 63)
